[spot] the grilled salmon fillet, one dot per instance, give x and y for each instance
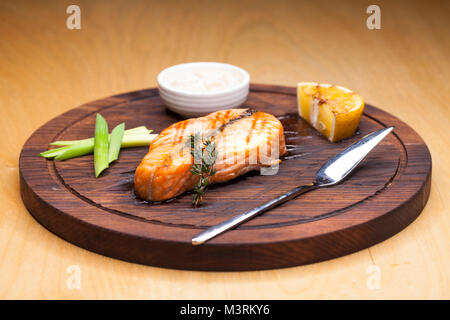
(245, 140)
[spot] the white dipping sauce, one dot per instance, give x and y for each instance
(198, 78)
(197, 88)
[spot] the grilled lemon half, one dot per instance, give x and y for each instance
(334, 111)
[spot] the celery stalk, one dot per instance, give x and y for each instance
(86, 146)
(76, 150)
(53, 152)
(137, 140)
(137, 130)
(70, 142)
(115, 142)
(101, 138)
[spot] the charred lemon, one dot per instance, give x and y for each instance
(334, 111)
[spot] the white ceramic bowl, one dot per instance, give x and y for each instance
(227, 87)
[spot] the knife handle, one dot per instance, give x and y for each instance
(214, 231)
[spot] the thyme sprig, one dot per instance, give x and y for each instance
(205, 155)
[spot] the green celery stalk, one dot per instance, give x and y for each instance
(75, 150)
(101, 138)
(70, 142)
(141, 129)
(86, 146)
(115, 142)
(53, 152)
(137, 130)
(137, 140)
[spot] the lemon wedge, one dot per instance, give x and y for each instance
(334, 111)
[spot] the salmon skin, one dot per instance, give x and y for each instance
(245, 140)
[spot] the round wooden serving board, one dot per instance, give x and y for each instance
(385, 194)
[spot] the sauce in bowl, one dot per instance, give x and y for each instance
(199, 88)
(204, 79)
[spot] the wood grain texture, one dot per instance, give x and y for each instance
(104, 215)
(46, 70)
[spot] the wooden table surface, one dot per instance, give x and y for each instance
(47, 69)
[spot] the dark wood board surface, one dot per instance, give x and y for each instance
(385, 194)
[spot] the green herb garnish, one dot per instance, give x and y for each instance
(205, 155)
